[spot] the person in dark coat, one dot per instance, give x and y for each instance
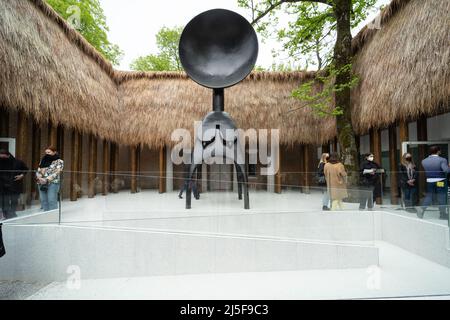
(408, 177)
(369, 182)
(322, 182)
(12, 173)
(2, 246)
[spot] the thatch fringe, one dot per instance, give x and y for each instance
(404, 68)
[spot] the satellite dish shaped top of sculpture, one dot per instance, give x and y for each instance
(218, 49)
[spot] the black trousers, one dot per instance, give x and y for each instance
(2, 246)
(9, 202)
(366, 196)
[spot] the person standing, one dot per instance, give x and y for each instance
(408, 181)
(48, 177)
(336, 178)
(12, 173)
(436, 170)
(370, 182)
(321, 181)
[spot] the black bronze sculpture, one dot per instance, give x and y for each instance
(218, 48)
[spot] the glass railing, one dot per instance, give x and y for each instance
(120, 225)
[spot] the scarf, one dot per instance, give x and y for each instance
(410, 171)
(47, 160)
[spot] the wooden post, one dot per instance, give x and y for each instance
(52, 135)
(35, 157)
(403, 132)
(60, 141)
(105, 184)
(74, 186)
(4, 122)
(92, 165)
(393, 163)
(278, 174)
(335, 144)
(133, 163)
(307, 166)
(22, 143)
(375, 145)
(114, 167)
(80, 165)
(162, 169)
(326, 148)
(422, 135)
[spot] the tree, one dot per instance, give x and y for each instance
(88, 18)
(167, 59)
(315, 21)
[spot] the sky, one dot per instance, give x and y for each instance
(134, 24)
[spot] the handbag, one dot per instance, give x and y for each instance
(43, 187)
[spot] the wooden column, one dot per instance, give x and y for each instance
(114, 167)
(335, 145)
(133, 163)
(52, 135)
(22, 144)
(105, 184)
(60, 140)
(393, 163)
(162, 169)
(278, 174)
(422, 135)
(80, 165)
(75, 154)
(92, 166)
(4, 122)
(325, 148)
(307, 166)
(35, 157)
(375, 146)
(403, 133)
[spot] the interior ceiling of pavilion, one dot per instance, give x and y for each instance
(51, 72)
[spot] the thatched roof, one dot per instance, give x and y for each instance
(404, 66)
(50, 71)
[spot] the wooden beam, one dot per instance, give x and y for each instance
(375, 145)
(74, 185)
(393, 163)
(52, 135)
(403, 132)
(335, 144)
(114, 167)
(60, 140)
(22, 144)
(4, 122)
(133, 169)
(422, 135)
(162, 169)
(105, 184)
(326, 148)
(92, 166)
(278, 174)
(307, 166)
(35, 156)
(80, 165)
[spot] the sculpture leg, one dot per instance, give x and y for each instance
(243, 172)
(192, 169)
(239, 181)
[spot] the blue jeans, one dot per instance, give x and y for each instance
(440, 190)
(49, 198)
(325, 197)
(409, 196)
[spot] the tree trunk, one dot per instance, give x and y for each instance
(342, 58)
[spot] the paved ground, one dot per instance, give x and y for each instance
(19, 290)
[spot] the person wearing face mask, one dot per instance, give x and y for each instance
(48, 177)
(370, 182)
(322, 182)
(436, 171)
(408, 181)
(12, 173)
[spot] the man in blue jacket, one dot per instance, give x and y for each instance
(436, 170)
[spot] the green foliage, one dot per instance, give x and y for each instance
(167, 59)
(311, 29)
(88, 18)
(320, 101)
